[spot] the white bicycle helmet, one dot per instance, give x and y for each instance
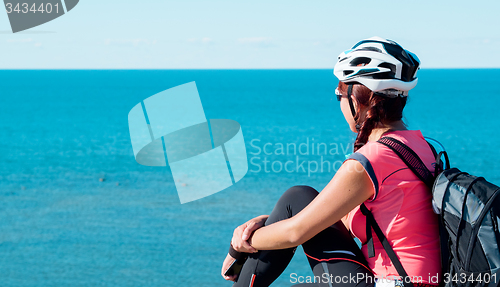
(381, 65)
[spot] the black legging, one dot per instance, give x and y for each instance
(332, 253)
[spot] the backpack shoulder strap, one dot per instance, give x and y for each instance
(410, 158)
(372, 223)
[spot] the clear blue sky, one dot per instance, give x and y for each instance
(185, 34)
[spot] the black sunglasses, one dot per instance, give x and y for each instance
(349, 93)
(339, 94)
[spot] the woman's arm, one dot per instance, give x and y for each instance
(350, 187)
(242, 233)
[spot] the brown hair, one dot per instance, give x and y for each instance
(380, 109)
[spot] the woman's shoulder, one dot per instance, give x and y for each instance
(407, 136)
(384, 160)
(382, 163)
(412, 138)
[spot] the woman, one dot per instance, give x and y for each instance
(375, 77)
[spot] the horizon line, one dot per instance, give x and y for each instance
(219, 69)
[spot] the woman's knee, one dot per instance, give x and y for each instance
(299, 193)
(292, 202)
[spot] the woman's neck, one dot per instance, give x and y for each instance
(380, 129)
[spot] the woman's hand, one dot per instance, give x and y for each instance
(225, 265)
(240, 242)
(243, 232)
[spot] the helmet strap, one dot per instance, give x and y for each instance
(351, 104)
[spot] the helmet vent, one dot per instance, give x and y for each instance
(389, 66)
(360, 61)
(373, 49)
(348, 72)
(387, 75)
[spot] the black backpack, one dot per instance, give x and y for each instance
(469, 209)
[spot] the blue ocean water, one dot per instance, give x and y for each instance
(63, 131)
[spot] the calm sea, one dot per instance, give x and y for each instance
(63, 131)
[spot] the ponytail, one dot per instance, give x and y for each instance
(372, 118)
